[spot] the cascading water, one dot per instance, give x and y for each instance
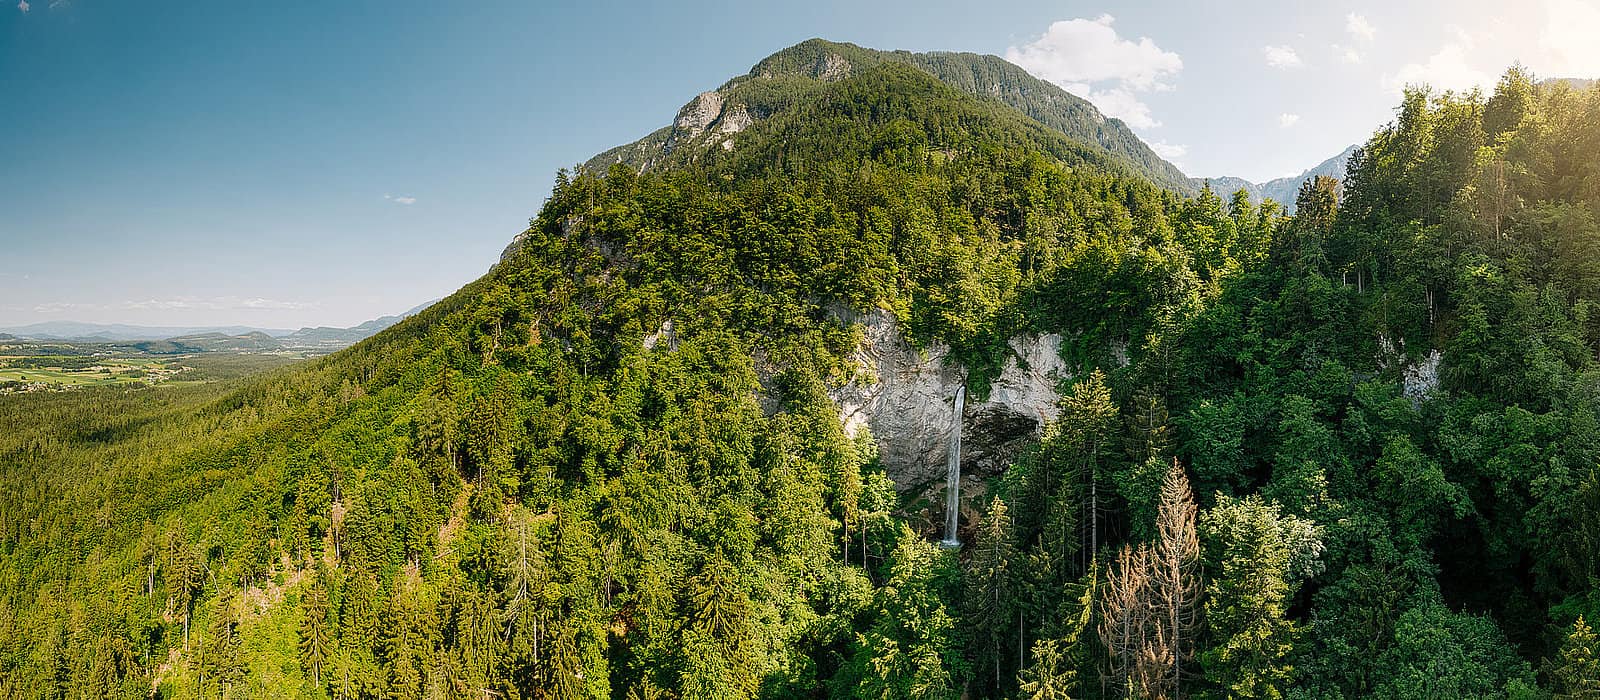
(952, 487)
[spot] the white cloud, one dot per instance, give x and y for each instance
(1087, 58)
(23, 5)
(1552, 38)
(1571, 36)
(1169, 151)
(1347, 54)
(1122, 104)
(1287, 120)
(1359, 27)
(1453, 67)
(1281, 56)
(401, 200)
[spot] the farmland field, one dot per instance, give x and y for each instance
(57, 372)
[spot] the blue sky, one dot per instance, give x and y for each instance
(287, 164)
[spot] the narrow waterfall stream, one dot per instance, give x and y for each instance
(952, 488)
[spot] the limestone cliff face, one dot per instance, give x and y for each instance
(694, 119)
(905, 398)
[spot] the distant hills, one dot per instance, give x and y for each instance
(191, 339)
(118, 332)
(1284, 189)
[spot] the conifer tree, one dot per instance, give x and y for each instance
(1575, 672)
(315, 642)
(989, 597)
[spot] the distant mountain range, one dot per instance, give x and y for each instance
(187, 339)
(1284, 189)
(118, 332)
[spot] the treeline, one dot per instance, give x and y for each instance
(1350, 453)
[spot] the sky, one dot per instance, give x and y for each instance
(291, 163)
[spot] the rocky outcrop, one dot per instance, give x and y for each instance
(1419, 376)
(905, 398)
(694, 119)
(1420, 381)
(665, 335)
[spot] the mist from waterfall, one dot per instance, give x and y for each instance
(952, 487)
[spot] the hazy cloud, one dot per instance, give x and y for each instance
(1359, 27)
(1452, 67)
(1570, 36)
(1287, 120)
(401, 199)
(1089, 59)
(1347, 54)
(1170, 151)
(1281, 56)
(1553, 38)
(182, 303)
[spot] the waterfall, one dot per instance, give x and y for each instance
(952, 487)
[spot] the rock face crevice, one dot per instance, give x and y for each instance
(905, 398)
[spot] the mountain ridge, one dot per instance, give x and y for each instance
(77, 331)
(1282, 190)
(738, 101)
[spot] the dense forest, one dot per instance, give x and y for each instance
(1350, 453)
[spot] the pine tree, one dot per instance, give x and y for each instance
(1148, 606)
(1257, 554)
(988, 582)
(315, 643)
(1176, 578)
(1575, 673)
(1128, 626)
(219, 667)
(185, 578)
(1051, 676)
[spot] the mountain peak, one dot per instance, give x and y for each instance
(1282, 190)
(772, 83)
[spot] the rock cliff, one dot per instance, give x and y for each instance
(905, 396)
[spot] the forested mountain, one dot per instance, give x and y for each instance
(1349, 453)
(794, 73)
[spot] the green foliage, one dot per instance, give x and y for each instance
(1257, 556)
(1575, 672)
(611, 467)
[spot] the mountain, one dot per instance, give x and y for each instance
(326, 338)
(209, 338)
(1282, 190)
(255, 341)
(899, 393)
(101, 332)
(1576, 84)
(785, 77)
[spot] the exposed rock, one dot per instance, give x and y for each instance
(663, 334)
(905, 397)
(1420, 381)
(694, 118)
(832, 67)
(1119, 352)
(732, 122)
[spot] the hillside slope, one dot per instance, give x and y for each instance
(1350, 453)
(787, 74)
